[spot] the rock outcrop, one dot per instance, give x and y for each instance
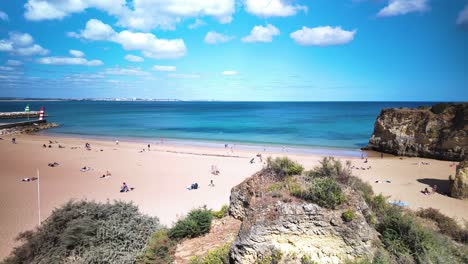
(27, 129)
(289, 230)
(459, 187)
(440, 132)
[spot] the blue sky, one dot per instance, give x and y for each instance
(255, 50)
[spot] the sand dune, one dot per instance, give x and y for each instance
(160, 178)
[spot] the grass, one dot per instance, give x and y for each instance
(221, 213)
(218, 255)
(348, 215)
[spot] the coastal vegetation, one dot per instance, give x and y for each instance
(87, 232)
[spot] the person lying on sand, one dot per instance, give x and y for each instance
(44, 146)
(85, 169)
(29, 179)
(55, 164)
(60, 146)
(426, 191)
(214, 170)
(104, 176)
(193, 186)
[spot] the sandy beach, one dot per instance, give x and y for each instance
(160, 178)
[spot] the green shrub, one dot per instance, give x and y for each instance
(218, 255)
(284, 166)
(379, 205)
(439, 108)
(159, 250)
(447, 225)
(362, 187)
(276, 186)
(221, 213)
(332, 168)
(197, 223)
(325, 192)
(89, 232)
(348, 215)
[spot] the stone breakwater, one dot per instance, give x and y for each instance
(14, 115)
(26, 127)
(440, 132)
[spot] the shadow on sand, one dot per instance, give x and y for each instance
(443, 186)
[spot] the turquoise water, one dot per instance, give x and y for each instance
(346, 125)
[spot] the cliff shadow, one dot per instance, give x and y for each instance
(443, 186)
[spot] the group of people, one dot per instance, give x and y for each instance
(429, 192)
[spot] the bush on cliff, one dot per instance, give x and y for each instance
(325, 192)
(160, 249)
(219, 255)
(447, 225)
(284, 166)
(196, 223)
(439, 108)
(87, 232)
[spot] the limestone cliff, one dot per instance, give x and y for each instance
(440, 132)
(460, 184)
(290, 230)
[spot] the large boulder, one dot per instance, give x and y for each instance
(290, 230)
(440, 132)
(460, 183)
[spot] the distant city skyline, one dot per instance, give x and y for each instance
(228, 50)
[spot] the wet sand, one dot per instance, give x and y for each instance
(161, 176)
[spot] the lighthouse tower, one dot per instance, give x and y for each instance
(41, 113)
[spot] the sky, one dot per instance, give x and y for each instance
(235, 50)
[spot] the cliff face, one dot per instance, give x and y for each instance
(291, 230)
(460, 184)
(422, 133)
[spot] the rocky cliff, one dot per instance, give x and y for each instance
(459, 187)
(440, 132)
(277, 228)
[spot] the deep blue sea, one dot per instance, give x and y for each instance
(346, 125)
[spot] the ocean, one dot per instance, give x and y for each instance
(343, 125)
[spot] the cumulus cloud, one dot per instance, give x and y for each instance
(402, 7)
(135, 14)
(3, 16)
(147, 43)
(76, 53)
(462, 19)
(14, 63)
(68, 61)
(262, 34)
(21, 44)
(198, 23)
(134, 58)
(213, 37)
(164, 68)
(322, 36)
(272, 8)
(229, 73)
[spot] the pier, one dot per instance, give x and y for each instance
(15, 115)
(22, 124)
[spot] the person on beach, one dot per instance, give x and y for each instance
(13, 140)
(124, 188)
(381, 155)
(211, 183)
(44, 146)
(149, 147)
(116, 142)
(29, 179)
(88, 146)
(225, 146)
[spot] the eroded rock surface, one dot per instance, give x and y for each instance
(460, 184)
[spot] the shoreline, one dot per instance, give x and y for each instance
(216, 144)
(161, 176)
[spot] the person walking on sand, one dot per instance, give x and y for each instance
(381, 155)
(13, 140)
(149, 147)
(116, 142)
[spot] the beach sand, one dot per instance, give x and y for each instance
(161, 176)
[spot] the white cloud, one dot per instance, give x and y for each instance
(198, 23)
(262, 34)
(271, 8)
(135, 14)
(147, 43)
(401, 7)
(137, 71)
(3, 16)
(76, 53)
(21, 44)
(133, 58)
(213, 37)
(229, 73)
(183, 76)
(322, 36)
(164, 68)
(462, 18)
(68, 61)
(14, 63)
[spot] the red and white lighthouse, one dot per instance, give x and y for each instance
(41, 113)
